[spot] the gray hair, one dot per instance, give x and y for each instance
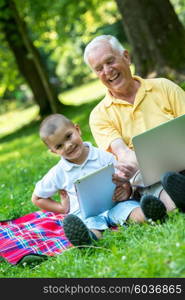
(113, 42)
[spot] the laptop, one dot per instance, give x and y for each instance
(161, 149)
(95, 191)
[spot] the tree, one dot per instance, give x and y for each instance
(28, 58)
(156, 35)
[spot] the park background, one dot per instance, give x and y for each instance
(42, 72)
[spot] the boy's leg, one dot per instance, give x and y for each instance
(124, 211)
(97, 233)
(137, 215)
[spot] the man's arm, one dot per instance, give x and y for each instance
(127, 162)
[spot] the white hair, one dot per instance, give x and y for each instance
(111, 40)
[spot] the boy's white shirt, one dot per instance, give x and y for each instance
(64, 174)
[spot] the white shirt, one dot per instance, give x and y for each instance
(64, 174)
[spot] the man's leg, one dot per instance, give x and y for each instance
(168, 202)
(152, 205)
(174, 185)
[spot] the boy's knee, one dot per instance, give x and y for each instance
(137, 216)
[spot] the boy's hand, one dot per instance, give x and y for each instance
(65, 202)
(123, 188)
(64, 195)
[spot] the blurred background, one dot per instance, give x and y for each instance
(42, 42)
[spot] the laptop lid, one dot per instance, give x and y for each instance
(95, 191)
(161, 149)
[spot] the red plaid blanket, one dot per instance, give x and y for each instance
(36, 233)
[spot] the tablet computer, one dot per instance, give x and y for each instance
(95, 191)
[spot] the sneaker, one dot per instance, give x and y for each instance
(77, 232)
(174, 185)
(153, 208)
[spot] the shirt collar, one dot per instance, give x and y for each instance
(92, 155)
(145, 86)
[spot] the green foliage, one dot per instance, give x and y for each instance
(60, 31)
(182, 84)
(179, 6)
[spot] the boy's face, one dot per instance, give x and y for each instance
(67, 142)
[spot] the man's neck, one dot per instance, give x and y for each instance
(129, 92)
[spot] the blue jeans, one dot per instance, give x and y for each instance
(115, 216)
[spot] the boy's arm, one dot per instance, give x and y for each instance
(49, 204)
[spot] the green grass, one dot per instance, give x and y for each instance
(84, 94)
(133, 251)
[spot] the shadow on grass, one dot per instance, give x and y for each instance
(81, 113)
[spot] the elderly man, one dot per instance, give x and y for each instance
(131, 106)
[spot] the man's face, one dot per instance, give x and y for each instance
(112, 68)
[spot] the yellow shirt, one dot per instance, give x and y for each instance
(157, 100)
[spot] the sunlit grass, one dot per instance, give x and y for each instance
(84, 94)
(15, 119)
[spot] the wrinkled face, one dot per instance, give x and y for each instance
(112, 67)
(67, 142)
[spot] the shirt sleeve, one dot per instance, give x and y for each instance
(102, 128)
(176, 97)
(48, 185)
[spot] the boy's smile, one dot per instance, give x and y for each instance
(67, 142)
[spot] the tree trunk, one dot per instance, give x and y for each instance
(28, 59)
(156, 36)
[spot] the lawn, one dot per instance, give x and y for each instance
(135, 251)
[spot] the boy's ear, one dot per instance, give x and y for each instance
(78, 128)
(51, 150)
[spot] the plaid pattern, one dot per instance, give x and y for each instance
(39, 232)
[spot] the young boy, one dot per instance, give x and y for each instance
(78, 158)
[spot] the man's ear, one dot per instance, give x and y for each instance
(126, 56)
(78, 128)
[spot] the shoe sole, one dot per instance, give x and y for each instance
(153, 208)
(173, 182)
(76, 231)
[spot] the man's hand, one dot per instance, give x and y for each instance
(127, 164)
(123, 188)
